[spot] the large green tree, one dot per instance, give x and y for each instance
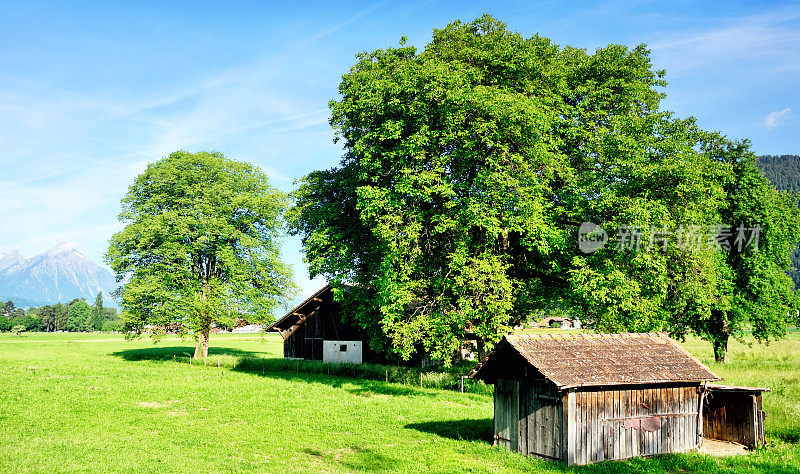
(200, 245)
(469, 167)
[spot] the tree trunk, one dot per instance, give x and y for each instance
(201, 347)
(721, 350)
(719, 332)
(481, 349)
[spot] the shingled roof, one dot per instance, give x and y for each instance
(582, 360)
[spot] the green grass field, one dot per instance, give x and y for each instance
(98, 403)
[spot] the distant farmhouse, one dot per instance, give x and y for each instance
(314, 330)
(584, 398)
(560, 322)
(248, 329)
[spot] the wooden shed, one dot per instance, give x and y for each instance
(734, 414)
(314, 330)
(584, 398)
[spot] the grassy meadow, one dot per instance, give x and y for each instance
(99, 403)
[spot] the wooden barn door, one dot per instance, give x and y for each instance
(542, 421)
(506, 414)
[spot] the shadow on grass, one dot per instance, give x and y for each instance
(368, 459)
(179, 353)
(467, 429)
(787, 434)
(357, 380)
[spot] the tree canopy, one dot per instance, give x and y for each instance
(469, 167)
(201, 244)
(80, 316)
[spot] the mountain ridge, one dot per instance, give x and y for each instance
(9, 259)
(60, 274)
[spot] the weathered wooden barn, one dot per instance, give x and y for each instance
(585, 398)
(314, 330)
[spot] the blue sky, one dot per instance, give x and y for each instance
(90, 92)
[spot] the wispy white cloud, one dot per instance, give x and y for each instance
(79, 207)
(353, 19)
(773, 119)
(768, 39)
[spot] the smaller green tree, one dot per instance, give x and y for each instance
(62, 316)
(742, 287)
(79, 313)
(98, 312)
(47, 316)
(18, 329)
(201, 245)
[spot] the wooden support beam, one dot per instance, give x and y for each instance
(291, 331)
(301, 320)
(570, 409)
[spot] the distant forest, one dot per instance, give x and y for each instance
(784, 172)
(75, 316)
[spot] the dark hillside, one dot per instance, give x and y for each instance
(784, 172)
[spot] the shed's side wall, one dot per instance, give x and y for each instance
(636, 421)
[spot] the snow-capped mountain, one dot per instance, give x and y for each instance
(8, 259)
(59, 275)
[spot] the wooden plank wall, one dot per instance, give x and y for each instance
(540, 419)
(506, 413)
(305, 342)
(761, 415)
(294, 346)
(734, 416)
(639, 421)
